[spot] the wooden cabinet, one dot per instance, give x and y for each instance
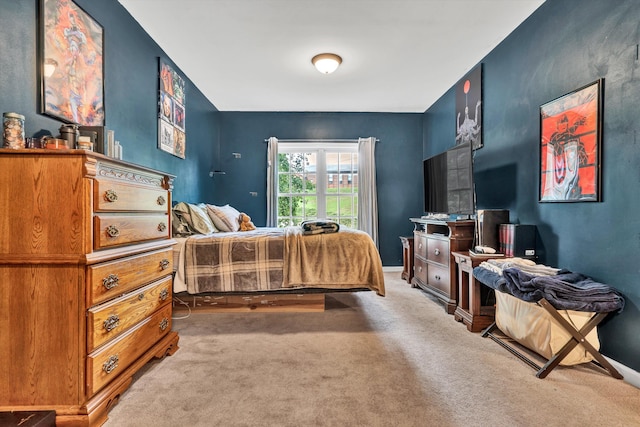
(86, 280)
(476, 303)
(407, 258)
(434, 269)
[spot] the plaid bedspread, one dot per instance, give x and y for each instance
(235, 262)
(274, 258)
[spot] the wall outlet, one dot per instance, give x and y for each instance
(529, 252)
(253, 193)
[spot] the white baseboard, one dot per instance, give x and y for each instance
(392, 269)
(630, 376)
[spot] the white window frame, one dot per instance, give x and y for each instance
(320, 148)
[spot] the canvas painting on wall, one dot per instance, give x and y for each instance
(570, 140)
(71, 64)
(171, 115)
(469, 108)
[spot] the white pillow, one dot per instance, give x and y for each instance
(225, 218)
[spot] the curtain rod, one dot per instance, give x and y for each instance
(319, 140)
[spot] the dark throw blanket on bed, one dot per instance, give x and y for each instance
(319, 226)
(565, 290)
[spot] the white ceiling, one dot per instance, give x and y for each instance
(398, 55)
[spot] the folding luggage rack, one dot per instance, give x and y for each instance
(578, 337)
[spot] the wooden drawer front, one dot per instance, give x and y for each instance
(111, 279)
(121, 230)
(108, 320)
(106, 363)
(420, 270)
(110, 196)
(420, 245)
(438, 251)
(438, 278)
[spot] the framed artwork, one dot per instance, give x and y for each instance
(171, 115)
(469, 108)
(71, 62)
(570, 146)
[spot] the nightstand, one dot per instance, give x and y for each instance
(476, 303)
(407, 258)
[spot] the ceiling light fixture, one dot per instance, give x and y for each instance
(326, 63)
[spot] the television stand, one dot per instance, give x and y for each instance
(434, 269)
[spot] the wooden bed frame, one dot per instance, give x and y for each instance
(273, 302)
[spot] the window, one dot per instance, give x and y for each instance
(317, 181)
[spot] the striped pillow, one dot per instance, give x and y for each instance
(225, 218)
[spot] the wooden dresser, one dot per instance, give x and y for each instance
(86, 280)
(434, 269)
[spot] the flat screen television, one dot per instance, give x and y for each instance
(448, 182)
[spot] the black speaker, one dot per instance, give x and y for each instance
(487, 222)
(518, 240)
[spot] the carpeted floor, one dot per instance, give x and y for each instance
(366, 361)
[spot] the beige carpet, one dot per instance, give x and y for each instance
(366, 361)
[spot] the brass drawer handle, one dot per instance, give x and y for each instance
(420, 268)
(164, 264)
(161, 200)
(164, 324)
(112, 231)
(420, 246)
(111, 323)
(162, 227)
(110, 196)
(164, 294)
(111, 364)
(141, 296)
(436, 251)
(437, 277)
(110, 282)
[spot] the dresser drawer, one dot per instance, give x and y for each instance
(110, 196)
(110, 360)
(420, 245)
(438, 278)
(106, 321)
(438, 251)
(126, 229)
(420, 270)
(111, 279)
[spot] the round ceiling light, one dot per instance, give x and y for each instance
(326, 63)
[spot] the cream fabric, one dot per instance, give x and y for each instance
(200, 221)
(225, 218)
(192, 218)
(533, 327)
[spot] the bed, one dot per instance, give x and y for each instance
(266, 265)
(549, 311)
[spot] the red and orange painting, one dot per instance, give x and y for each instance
(71, 58)
(570, 139)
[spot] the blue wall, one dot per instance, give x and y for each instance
(563, 46)
(398, 162)
(131, 91)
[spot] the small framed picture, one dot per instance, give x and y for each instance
(570, 146)
(172, 133)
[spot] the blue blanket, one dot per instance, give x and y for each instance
(565, 290)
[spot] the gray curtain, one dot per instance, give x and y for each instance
(367, 192)
(272, 182)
